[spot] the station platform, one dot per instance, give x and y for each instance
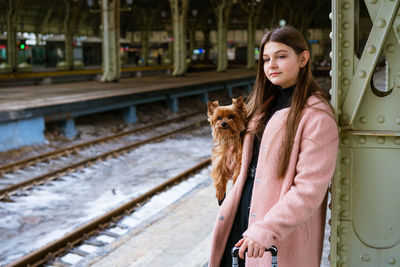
(180, 237)
(24, 110)
(40, 75)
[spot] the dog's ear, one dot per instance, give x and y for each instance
(238, 103)
(211, 106)
(240, 106)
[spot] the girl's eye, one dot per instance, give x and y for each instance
(281, 56)
(266, 60)
(231, 116)
(219, 118)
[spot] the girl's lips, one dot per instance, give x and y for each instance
(274, 74)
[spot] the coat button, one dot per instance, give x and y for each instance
(253, 215)
(258, 181)
(263, 147)
(221, 218)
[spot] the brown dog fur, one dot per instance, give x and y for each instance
(227, 122)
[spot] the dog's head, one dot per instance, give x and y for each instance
(227, 121)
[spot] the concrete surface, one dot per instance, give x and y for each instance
(181, 236)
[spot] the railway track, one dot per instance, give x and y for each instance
(15, 166)
(99, 225)
(7, 191)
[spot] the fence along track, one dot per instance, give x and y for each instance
(12, 167)
(54, 175)
(58, 247)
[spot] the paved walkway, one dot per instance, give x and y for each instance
(182, 237)
(28, 97)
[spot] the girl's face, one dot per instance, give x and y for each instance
(282, 64)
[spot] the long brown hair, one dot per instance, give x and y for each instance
(263, 92)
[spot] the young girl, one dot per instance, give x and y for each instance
(289, 157)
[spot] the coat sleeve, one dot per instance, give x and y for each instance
(314, 169)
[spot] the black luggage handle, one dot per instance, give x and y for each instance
(273, 250)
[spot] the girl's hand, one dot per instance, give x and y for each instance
(230, 161)
(253, 248)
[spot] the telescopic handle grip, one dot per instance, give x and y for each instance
(273, 250)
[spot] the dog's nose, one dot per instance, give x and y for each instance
(223, 124)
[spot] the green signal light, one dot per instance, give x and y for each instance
(22, 46)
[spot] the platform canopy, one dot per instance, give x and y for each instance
(43, 16)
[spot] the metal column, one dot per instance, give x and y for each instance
(111, 26)
(365, 199)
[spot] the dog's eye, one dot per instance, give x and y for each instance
(231, 116)
(219, 118)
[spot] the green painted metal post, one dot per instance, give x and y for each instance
(365, 203)
(69, 37)
(13, 10)
(110, 25)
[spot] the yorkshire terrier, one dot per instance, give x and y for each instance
(227, 122)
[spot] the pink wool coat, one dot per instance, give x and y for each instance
(290, 212)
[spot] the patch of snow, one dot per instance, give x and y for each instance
(71, 258)
(105, 238)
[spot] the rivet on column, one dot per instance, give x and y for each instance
(343, 248)
(345, 141)
(340, 35)
(344, 181)
(363, 120)
(381, 119)
(345, 160)
(381, 23)
(390, 48)
(380, 140)
(343, 230)
(371, 49)
(397, 140)
(330, 16)
(344, 197)
(366, 257)
(391, 260)
(346, 44)
(362, 140)
(344, 214)
(346, 62)
(397, 120)
(346, 25)
(331, 35)
(361, 74)
(346, 5)
(372, 1)
(346, 81)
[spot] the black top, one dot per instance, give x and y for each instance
(240, 224)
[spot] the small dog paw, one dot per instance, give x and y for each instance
(220, 201)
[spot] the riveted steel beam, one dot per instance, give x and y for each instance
(363, 73)
(365, 203)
